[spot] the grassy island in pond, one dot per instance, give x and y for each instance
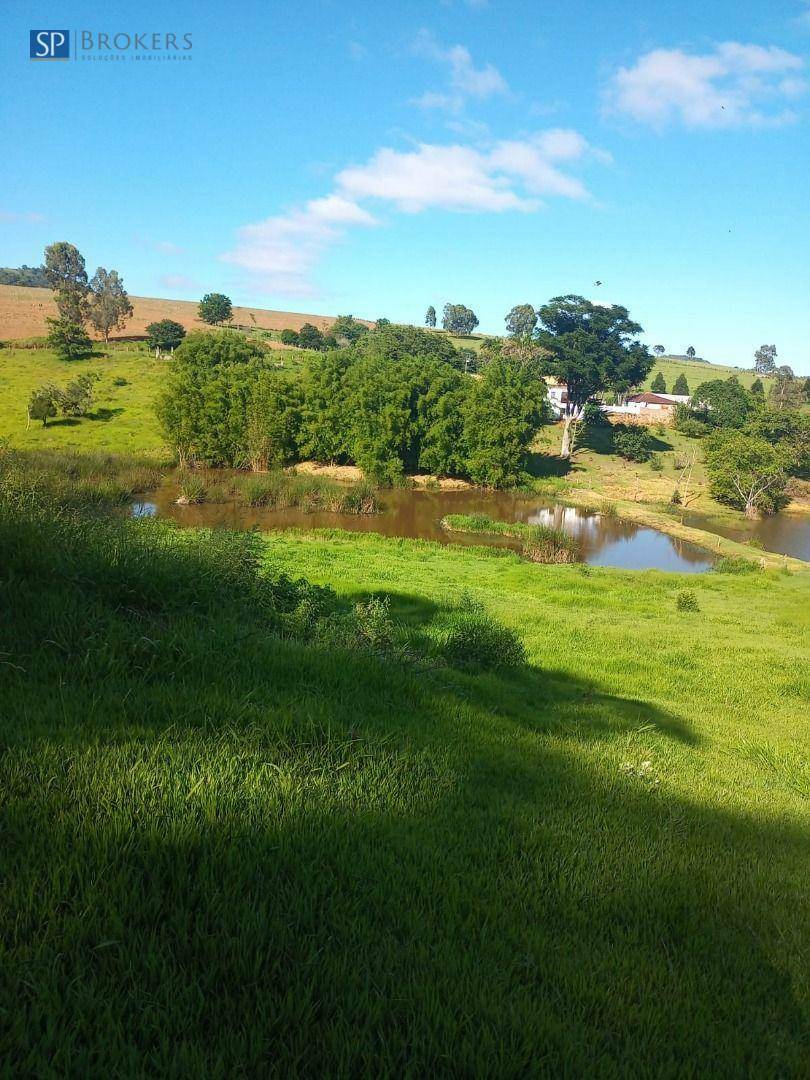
(541, 543)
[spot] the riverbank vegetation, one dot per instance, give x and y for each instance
(283, 795)
(540, 543)
(394, 401)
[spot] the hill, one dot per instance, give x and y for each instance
(23, 312)
(309, 856)
(697, 372)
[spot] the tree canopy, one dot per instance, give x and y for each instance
(765, 359)
(521, 321)
(215, 309)
(68, 339)
(591, 348)
(459, 319)
(681, 386)
(109, 305)
(165, 334)
(723, 403)
(66, 274)
(430, 316)
(746, 471)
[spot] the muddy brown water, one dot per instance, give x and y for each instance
(787, 533)
(605, 541)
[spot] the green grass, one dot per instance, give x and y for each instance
(697, 373)
(123, 418)
(541, 543)
(231, 851)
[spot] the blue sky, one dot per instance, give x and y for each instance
(371, 158)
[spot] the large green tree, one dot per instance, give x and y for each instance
(459, 319)
(504, 410)
(165, 334)
(591, 348)
(681, 386)
(430, 316)
(66, 275)
(746, 471)
(521, 321)
(108, 306)
(659, 384)
(723, 402)
(215, 309)
(347, 329)
(765, 359)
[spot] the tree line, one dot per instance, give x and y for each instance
(394, 401)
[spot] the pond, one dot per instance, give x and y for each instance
(606, 541)
(787, 533)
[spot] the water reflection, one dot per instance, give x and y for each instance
(606, 541)
(785, 533)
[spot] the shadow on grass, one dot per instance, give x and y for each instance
(105, 414)
(232, 854)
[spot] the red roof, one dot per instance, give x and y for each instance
(650, 399)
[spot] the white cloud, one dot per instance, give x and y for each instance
(10, 216)
(166, 247)
(280, 253)
(178, 281)
(735, 85)
(464, 78)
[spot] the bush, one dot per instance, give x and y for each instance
(730, 564)
(470, 639)
(656, 464)
(693, 429)
(632, 442)
(68, 339)
(687, 601)
(289, 337)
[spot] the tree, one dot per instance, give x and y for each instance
(310, 337)
(659, 350)
(347, 329)
(66, 275)
(746, 472)
(765, 359)
(505, 408)
(758, 389)
(690, 352)
(723, 403)
(289, 337)
(659, 385)
(591, 348)
(68, 339)
(166, 334)
(459, 319)
(109, 305)
(77, 397)
(681, 386)
(788, 429)
(215, 309)
(203, 401)
(32, 276)
(787, 392)
(521, 321)
(632, 442)
(42, 404)
(430, 316)
(273, 420)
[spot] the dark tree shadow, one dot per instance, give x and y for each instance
(253, 856)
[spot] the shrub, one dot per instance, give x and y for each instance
(693, 429)
(656, 464)
(632, 442)
(470, 639)
(68, 339)
(731, 564)
(119, 381)
(288, 337)
(687, 601)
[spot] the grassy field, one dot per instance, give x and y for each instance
(697, 373)
(123, 420)
(228, 852)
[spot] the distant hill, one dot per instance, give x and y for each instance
(23, 311)
(32, 276)
(697, 372)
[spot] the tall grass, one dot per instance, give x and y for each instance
(541, 543)
(282, 490)
(71, 478)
